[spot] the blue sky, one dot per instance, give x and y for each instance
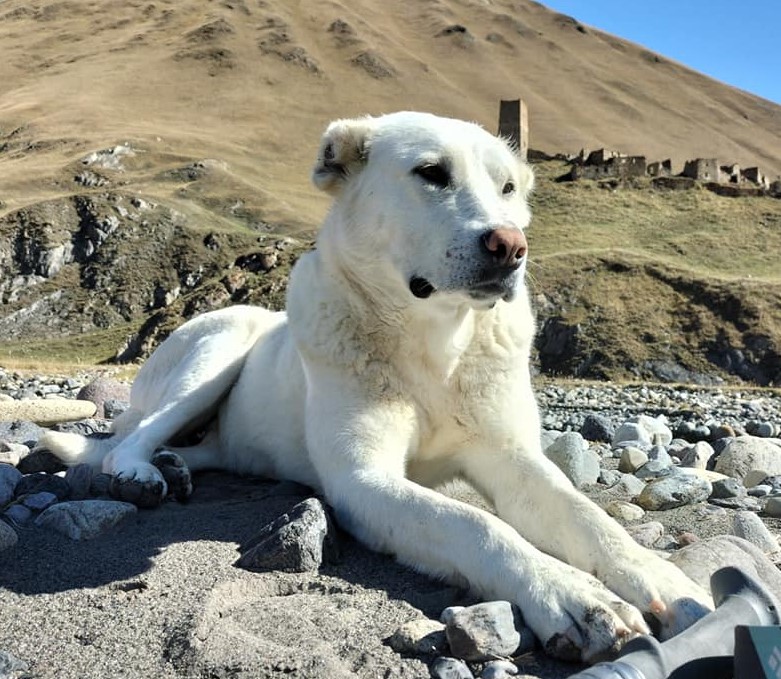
(737, 43)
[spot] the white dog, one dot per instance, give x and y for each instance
(402, 362)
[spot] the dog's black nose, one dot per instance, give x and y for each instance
(506, 245)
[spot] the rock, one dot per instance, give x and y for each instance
(46, 411)
(721, 431)
(761, 490)
(597, 428)
(749, 452)
(703, 558)
(570, 453)
(609, 477)
(547, 437)
(659, 454)
(632, 432)
(624, 510)
(687, 538)
(9, 665)
(674, 491)
(296, 542)
(450, 668)
(18, 514)
(40, 482)
(744, 503)
(8, 537)
(483, 632)
(773, 507)
(728, 487)
(12, 453)
(646, 534)
(749, 526)
(79, 479)
(631, 460)
(656, 428)
(41, 461)
(755, 477)
(100, 485)
(102, 389)
(9, 478)
(697, 456)
(419, 637)
(654, 469)
(39, 501)
(629, 485)
(21, 431)
(499, 669)
(114, 407)
(85, 519)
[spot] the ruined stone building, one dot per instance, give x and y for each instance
(703, 169)
(604, 164)
(754, 175)
(661, 168)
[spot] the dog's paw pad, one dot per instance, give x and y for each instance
(176, 474)
(146, 493)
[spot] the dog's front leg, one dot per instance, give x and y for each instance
(358, 445)
(536, 498)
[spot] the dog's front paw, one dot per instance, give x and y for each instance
(658, 587)
(141, 484)
(176, 474)
(577, 618)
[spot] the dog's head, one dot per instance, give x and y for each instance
(432, 204)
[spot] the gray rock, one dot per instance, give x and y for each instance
(597, 428)
(85, 519)
(654, 469)
(659, 454)
(483, 632)
(646, 534)
(629, 485)
(773, 507)
(9, 665)
(18, 514)
(747, 453)
(8, 537)
(114, 407)
(674, 491)
(499, 669)
(21, 431)
(656, 428)
(703, 558)
(296, 542)
(79, 478)
(547, 437)
(729, 487)
(609, 477)
(721, 431)
(749, 526)
(697, 456)
(761, 490)
(39, 501)
(100, 485)
(570, 453)
(102, 389)
(41, 482)
(9, 478)
(450, 668)
(756, 477)
(632, 432)
(741, 503)
(421, 636)
(631, 460)
(41, 461)
(45, 411)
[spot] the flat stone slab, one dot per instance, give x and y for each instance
(46, 411)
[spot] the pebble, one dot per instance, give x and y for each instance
(570, 453)
(698, 455)
(85, 519)
(482, 632)
(631, 460)
(625, 511)
(597, 427)
(630, 485)
(79, 479)
(609, 477)
(499, 669)
(450, 668)
(297, 542)
(12, 453)
(729, 487)
(102, 389)
(674, 491)
(658, 453)
(39, 501)
(773, 507)
(756, 477)
(9, 478)
(18, 514)
(749, 526)
(654, 469)
(40, 482)
(646, 534)
(8, 536)
(10, 665)
(41, 461)
(633, 433)
(760, 490)
(421, 636)
(46, 411)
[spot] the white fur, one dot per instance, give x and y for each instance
(374, 396)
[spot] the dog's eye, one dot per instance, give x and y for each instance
(435, 174)
(508, 188)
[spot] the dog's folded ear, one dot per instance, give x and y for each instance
(343, 152)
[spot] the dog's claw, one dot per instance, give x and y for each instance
(145, 494)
